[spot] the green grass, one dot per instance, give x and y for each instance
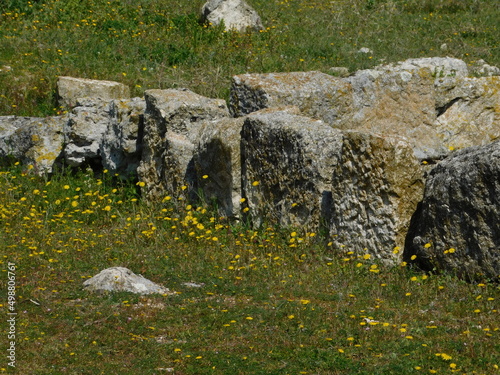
(159, 44)
(272, 301)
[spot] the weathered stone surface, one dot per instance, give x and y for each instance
(121, 146)
(33, 141)
(397, 102)
(84, 132)
(217, 156)
(472, 115)
(316, 94)
(360, 188)
(236, 14)
(482, 69)
(390, 100)
(287, 168)
(121, 279)
(69, 89)
(439, 66)
(375, 188)
(459, 216)
(105, 134)
(172, 125)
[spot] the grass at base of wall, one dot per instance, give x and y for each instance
(160, 44)
(267, 301)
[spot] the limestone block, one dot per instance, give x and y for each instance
(84, 132)
(69, 89)
(217, 156)
(33, 141)
(472, 114)
(121, 146)
(397, 102)
(316, 94)
(456, 227)
(287, 167)
(376, 185)
(360, 188)
(171, 130)
(236, 14)
(121, 279)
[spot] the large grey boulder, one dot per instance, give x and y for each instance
(172, 126)
(33, 141)
(69, 89)
(121, 279)
(456, 227)
(236, 14)
(316, 94)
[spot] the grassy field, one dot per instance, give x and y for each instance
(268, 301)
(272, 301)
(159, 43)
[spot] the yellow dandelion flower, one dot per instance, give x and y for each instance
(255, 183)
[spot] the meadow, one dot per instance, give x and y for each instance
(151, 44)
(245, 300)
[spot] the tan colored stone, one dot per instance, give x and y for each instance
(69, 89)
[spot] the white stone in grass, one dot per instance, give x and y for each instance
(121, 279)
(365, 50)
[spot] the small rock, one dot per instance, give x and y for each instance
(193, 285)
(236, 14)
(121, 279)
(365, 50)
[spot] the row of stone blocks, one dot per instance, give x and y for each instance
(347, 157)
